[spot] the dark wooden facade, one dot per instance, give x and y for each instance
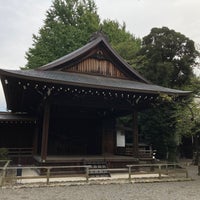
(77, 99)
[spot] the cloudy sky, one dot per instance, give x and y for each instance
(20, 19)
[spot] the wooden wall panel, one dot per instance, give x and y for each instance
(97, 67)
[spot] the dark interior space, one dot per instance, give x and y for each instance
(74, 131)
(16, 135)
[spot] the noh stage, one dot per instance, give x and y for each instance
(73, 104)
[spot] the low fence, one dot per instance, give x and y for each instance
(43, 174)
(3, 169)
(9, 175)
(162, 170)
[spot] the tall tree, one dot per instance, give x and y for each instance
(166, 58)
(168, 54)
(68, 25)
(125, 43)
(158, 129)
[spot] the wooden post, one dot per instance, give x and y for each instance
(35, 140)
(186, 173)
(45, 132)
(135, 135)
(159, 171)
(108, 143)
(3, 177)
(48, 175)
(129, 173)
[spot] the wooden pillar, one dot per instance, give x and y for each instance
(45, 132)
(108, 139)
(135, 134)
(35, 140)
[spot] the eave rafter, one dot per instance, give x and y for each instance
(48, 90)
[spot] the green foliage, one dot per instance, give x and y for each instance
(157, 126)
(188, 119)
(68, 25)
(167, 58)
(194, 86)
(167, 54)
(122, 41)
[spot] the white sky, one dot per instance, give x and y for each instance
(19, 19)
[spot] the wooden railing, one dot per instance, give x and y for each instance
(15, 152)
(143, 153)
(147, 153)
(3, 171)
(162, 170)
(48, 172)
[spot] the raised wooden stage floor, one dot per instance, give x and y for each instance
(111, 160)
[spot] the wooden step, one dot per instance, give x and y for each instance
(98, 168)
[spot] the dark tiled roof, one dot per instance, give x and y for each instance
(76, 79)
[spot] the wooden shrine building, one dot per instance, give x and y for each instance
(69, 106)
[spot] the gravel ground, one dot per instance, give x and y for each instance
(142, 191)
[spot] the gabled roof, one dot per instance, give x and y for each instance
(21, 86)
(99, 41)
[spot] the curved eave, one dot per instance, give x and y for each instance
(89, 81)
(83, 50)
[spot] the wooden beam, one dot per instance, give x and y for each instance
(45, 132)
(135, 134)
